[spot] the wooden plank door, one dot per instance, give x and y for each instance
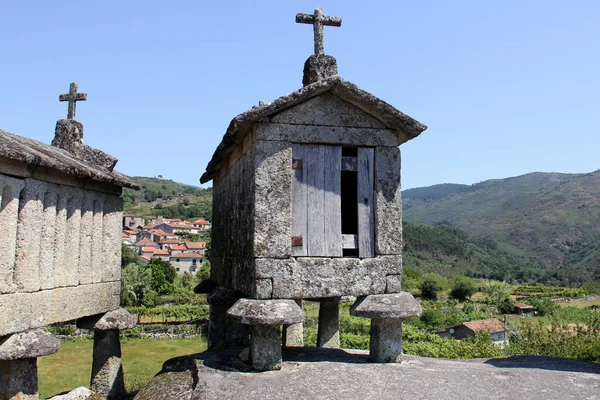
(366, 227)
(316, 204)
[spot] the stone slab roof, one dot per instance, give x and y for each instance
(33, 152)
(406, 127)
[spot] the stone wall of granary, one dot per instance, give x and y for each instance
(233, 222)
(277, 274)
(60, 253)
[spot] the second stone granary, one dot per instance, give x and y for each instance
(61, 215)
(307, 194)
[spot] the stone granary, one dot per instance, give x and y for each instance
(60, 256)
(306, 205)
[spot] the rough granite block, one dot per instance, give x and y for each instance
(29, 232)
(263, 288)
(313, 278)
(61, 272)
(9, 215)
(328, 335)
(318, 134)
(22, 311)
(112, 221)
(328, 110)
(85, 238)
(71, 251)
(393, 283)
(48, 239)
(273, 199)
(98, 237)
(388, 204)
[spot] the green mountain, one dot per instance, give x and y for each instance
(167, 198)
(548, 221)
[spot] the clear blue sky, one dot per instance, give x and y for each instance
(506, 88)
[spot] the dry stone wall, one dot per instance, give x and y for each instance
(59, 253)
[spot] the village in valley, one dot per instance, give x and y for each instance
(169, 239)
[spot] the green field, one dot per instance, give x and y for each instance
(71, 366)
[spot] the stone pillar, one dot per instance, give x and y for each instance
(265, 318)
(18, 362)
(385, 343)
(386, 312)
(328, 335)
(222, 331)
(107, 371)
(293, 335)
(265, 347)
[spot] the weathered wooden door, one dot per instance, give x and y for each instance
(317, 211)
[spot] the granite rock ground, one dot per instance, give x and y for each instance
(310, 373)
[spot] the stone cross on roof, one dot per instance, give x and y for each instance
(318, 20)
(72, 97)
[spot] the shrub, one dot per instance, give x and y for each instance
(463, 288)
(431, 286)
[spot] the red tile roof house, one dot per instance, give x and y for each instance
(145, 243)
(524, 309)
(492, 326)
(203, 224)
(166, 244)
(177, 249)
(198, 247)
(186, 262)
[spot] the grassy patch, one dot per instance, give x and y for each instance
(71, 366)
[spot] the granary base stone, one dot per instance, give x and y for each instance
(329, 323)
(386, 312)
(265, 318)
(332, 374)
(18, 379)
(18, 362)
(293, 335)
(265, 347)
(385, 343)
(107, 371)
(118, 319)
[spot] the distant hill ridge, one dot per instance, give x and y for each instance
(553, 218)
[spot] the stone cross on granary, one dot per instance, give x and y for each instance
(72, 97)
(318, 20)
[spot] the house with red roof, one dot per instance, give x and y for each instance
(145, 242)
(494, 327)
(203, 224)
(186, 262)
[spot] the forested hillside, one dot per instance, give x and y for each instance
(551, 220)
(168, 198)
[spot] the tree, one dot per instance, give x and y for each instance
(163, 275)
(432, 285)
(136, 282)
(463, 288)
(497, 292)
(129, 256)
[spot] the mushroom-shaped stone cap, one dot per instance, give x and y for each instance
(29, 344)
(396, 305)
(118, 319)
(266, 312)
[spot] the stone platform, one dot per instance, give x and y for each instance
(313, 373)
